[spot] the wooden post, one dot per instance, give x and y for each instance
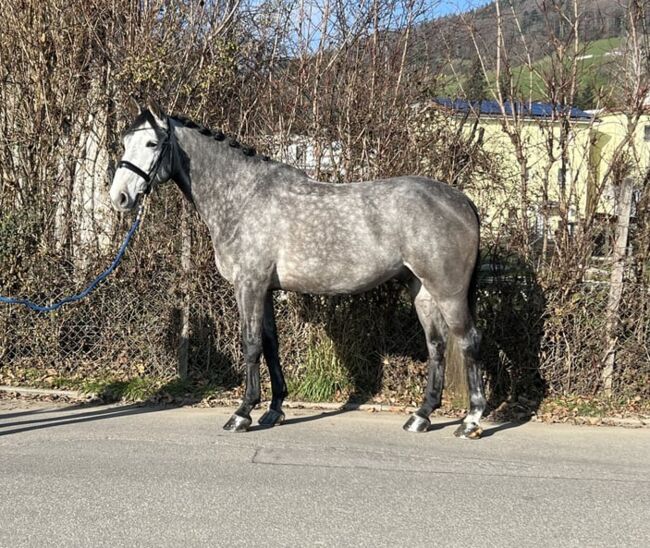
(456, 375)
(186, 266)
(623, 210)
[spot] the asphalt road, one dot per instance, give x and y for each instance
(131, 476)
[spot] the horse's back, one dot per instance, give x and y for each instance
(400, 192)
(346, 237)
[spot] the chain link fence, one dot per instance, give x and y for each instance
(537, 341)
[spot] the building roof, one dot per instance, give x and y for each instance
(530, 110)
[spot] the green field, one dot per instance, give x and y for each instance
(596, 62)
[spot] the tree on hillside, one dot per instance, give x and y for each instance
(476, 88)
(505, 84)
(586, 96)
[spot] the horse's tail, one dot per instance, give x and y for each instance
(472, 295)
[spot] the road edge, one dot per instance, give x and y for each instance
(76, 395)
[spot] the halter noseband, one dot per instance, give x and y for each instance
(135, 169)
(149, 177)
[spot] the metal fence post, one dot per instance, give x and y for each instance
(623, 210)
(186, 266)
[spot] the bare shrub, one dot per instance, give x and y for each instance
(349, 86)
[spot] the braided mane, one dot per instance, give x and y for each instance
(219, 135)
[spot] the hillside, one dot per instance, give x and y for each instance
(451, 51)
(599, 19)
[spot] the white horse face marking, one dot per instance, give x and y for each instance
(141, 148)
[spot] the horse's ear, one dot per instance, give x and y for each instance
(157, 112)
(133, 107)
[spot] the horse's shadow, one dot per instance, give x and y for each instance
(26, 421)
(209, 368)
(368, 332)
(380, 327)
(511, 314)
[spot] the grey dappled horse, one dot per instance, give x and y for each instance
(273, 227)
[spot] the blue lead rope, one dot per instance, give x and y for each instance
(93, 284)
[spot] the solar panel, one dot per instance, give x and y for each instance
(534, 110)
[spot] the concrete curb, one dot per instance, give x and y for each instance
(371, 407)
(24, 391)
(627, 422)
(326, 406)
(75, 394)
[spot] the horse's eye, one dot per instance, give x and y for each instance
(151, 144)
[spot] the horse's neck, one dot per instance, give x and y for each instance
(211, 176)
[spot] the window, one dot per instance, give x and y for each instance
(646, 132)
(300, 156)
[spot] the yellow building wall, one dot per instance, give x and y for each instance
(611, 134)
(543, 187)
(502, 196)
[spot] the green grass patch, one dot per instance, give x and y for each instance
(140, 388)
(112, 389)
(323, 378)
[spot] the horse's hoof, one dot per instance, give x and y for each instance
(271, 418)
(416, 423)
(470, 431)
(237, 423)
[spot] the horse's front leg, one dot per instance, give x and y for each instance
(250, 301)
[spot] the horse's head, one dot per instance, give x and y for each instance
(147, 157)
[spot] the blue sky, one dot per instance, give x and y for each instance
(307, 25)
(447, 7)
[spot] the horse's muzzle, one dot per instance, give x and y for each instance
(122, 201)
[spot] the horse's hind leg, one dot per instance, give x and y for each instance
(459, 319)
(435, 331)
(274, 415)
